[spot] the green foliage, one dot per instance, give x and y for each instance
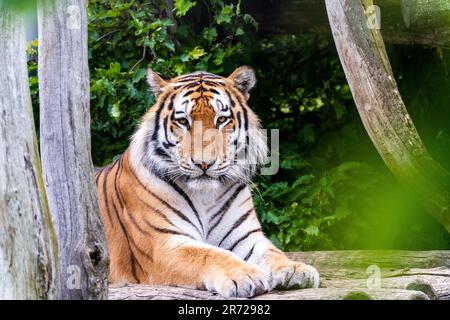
(183, 6)
(331, 183)
(311, 205)
(126, 37)
(20, 5)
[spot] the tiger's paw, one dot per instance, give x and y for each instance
(244, 281)
(295, 275)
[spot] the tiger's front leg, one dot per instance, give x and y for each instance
(195, 264)
(246, 239)
(285, 273)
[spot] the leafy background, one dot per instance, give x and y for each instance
(333, 190)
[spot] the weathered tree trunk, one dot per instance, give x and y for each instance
(28, 248)
(384, 115)
(422, 22)
(65, 148)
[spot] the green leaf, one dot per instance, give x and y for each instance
(225, 14)
(115, 111)
(179, 68)
(250, 20)
(210, 34)
(239, 31)
(311, 230)
(170, 45)
(114, 69)
(184, 57)
(183, 6)
(139, 75)
(196, 53)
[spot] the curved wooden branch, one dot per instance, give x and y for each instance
(384, 115)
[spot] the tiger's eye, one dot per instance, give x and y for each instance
(182, 121)
(221, 119)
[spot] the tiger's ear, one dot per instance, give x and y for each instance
(156, 82)
(244, 79)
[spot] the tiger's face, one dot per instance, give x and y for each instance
(201, 129)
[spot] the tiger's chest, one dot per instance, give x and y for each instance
(224, 214)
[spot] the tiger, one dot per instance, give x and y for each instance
(177, 206)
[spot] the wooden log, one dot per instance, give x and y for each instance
(28, 248)
(400, 281)
(402, 21)
(385, 259)
(65, 148)
(345, 294)
(434, 282)
(145, 292)
(381, 108)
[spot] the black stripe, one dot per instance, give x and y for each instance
(224, 208)
(247, 142)
(223, 194)
(158, 115)
(177, 212)
(233, 103)
(170, 106)
(97, 176)
(247, 257)
(122, 227)
(142, 252)
(227, 204)
(161, 152)
(188, 79)
(220, 105)
(131, 240)
(185, 196)
(212, 76)
(244, 201)
(236, 225)
(116, 184)
(158, 212)
(191, 85)
(106, 172)
(187, 93)
(211, 83)
(137, 226)
(165, 230)
(168, 144)
(243, 238)
(212, 90)
(235, 142)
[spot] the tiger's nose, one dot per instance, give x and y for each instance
(204, 165)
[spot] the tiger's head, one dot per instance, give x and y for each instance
(201, 130)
